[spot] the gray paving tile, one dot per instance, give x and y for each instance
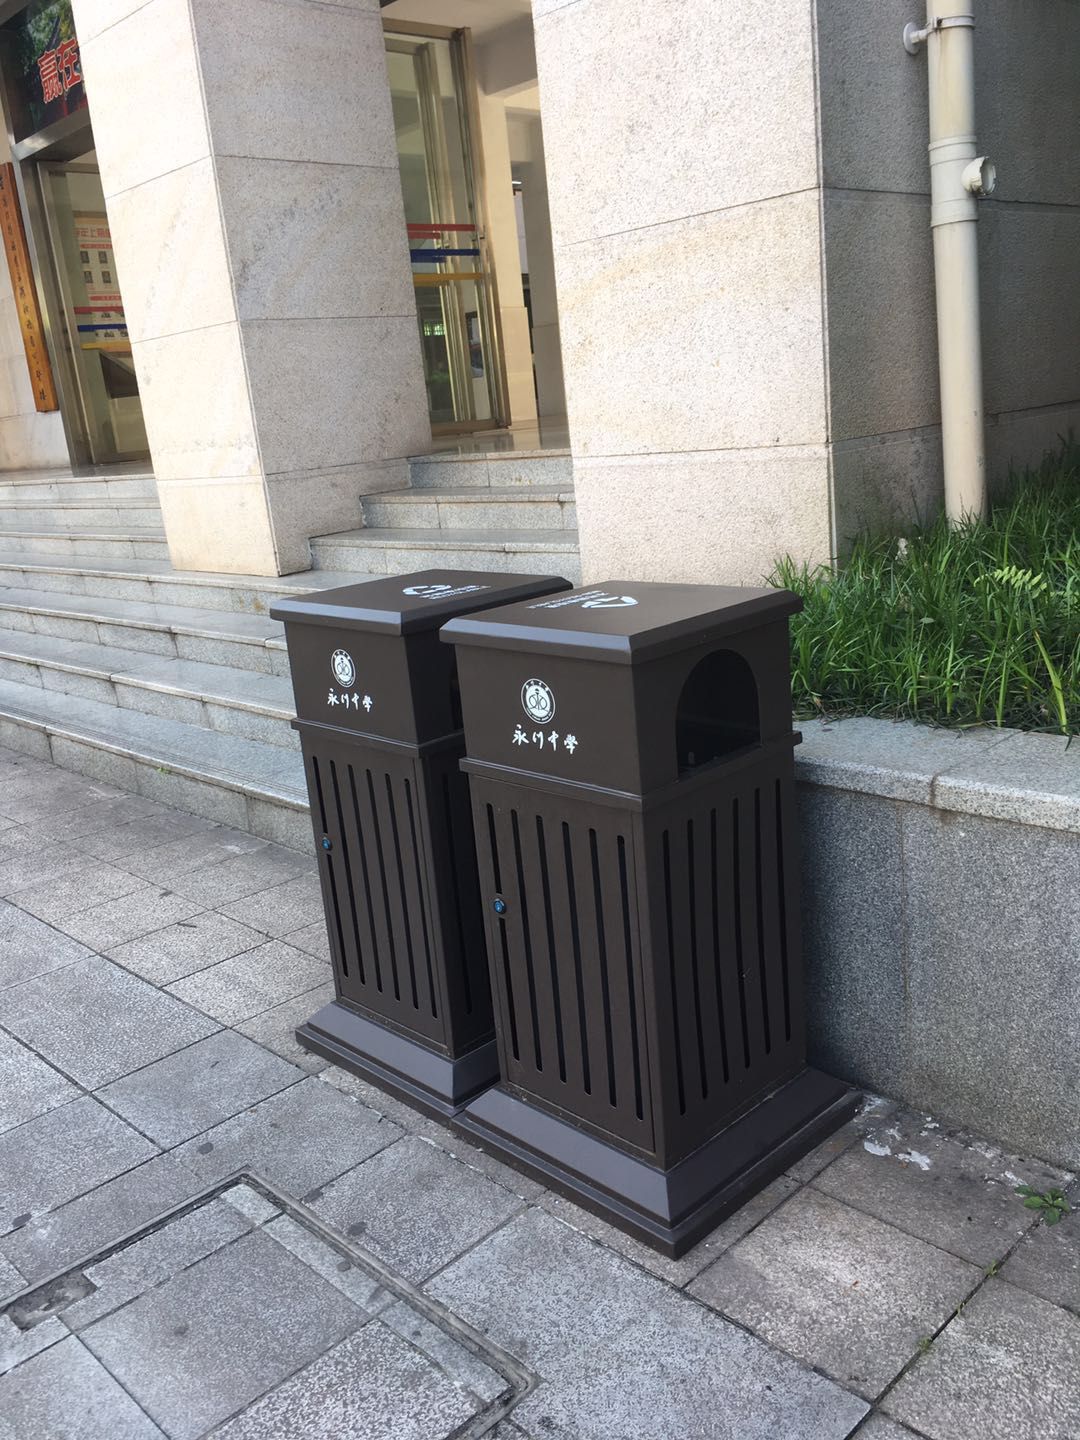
(588, 1320)
(250, 1202)
(164, 863)
(363, 1290)
(28, 1086)
(415, 1123)
(168, 954)
(26, 862)
(97, 1022)
(68, 1234)
(465, 1368)
(415, 1206)
(219, 1334)
(295, 905)
(313, 939)
(29, 947)
(1047, 1262)
(65, 1394)
(682, 1271)
(873, 1111)
(248, 984)
(946, 1187)
(1008, 1365)
(676, 1370)
(155, 825)
(191, 1090)
(88, 826)
(61, 1154)
(233, 879)
(880, 1427)
(299, 1139)
(116, 921)
(155, 1259)
(91, 883)
(837, 1289)
(18, 1345)
(373, 1386)
(276, 1028)
(11, 1280)
(47, 790)
(543, 1292)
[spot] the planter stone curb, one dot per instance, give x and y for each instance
(941, 893)
(1027, 779)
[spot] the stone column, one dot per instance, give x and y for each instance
(248, 161)
(682, 174)
(547, 353)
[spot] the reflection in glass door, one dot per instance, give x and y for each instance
(93, 310)
(451, 276)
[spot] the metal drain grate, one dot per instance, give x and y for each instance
(240, 1314)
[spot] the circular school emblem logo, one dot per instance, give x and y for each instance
(538, 701)
(342, 668)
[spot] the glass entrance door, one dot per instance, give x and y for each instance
(451, 275)
(93, 312)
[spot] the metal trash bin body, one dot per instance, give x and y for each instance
(380, 728)
(630, 753)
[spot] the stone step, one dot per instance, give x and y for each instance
(251, 786)
(156, 582)
(63, 487)
(101, 542)
(138, 514)
(492, 469)
(216, 697)
(525, 507)
(393, 551)
(184, 632)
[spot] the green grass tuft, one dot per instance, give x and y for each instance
(978, 625)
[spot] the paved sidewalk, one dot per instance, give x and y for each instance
(369, 1275)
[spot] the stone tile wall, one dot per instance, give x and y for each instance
(941, 878)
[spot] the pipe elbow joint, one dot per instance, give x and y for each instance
(979, 176)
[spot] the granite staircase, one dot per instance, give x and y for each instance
(175, 684)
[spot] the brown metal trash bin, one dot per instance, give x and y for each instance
(380, 728)
(630, 753)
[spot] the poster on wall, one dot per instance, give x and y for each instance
(99, 310)
(45, 80)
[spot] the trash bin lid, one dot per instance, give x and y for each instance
(623, 621)
(402, 604)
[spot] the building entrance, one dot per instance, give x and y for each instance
(452, 276)
(91, 311)
(58, 240)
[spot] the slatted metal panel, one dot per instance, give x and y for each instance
(374, 882)
(459, 924)
(725, 947)
(565, 957)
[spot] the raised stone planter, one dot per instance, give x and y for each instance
(942, 900)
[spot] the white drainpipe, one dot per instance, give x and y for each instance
(957, 176)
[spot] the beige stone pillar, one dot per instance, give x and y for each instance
(248, 161)
(682, 175)
(547, 351)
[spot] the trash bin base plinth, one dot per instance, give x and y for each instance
(429, 1081)
(670, 1210)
